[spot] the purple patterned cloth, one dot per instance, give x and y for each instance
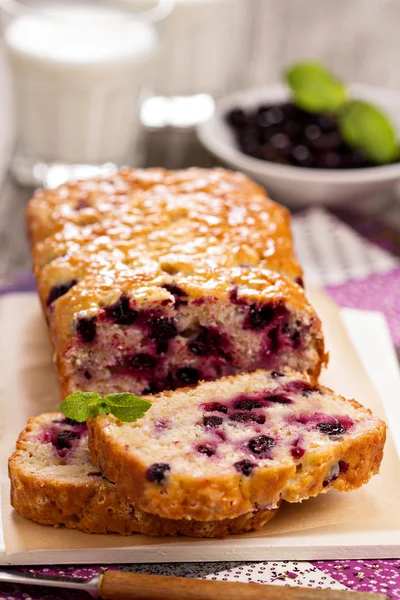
(377, 292)
(379, 576)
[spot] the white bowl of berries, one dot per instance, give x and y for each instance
(347, 154)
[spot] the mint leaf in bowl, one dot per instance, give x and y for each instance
(315, 89)
(365, 127)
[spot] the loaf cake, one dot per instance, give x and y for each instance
(151, 280)
(54, 483)
(227, 447)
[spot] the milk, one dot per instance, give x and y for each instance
(79, 72)
(204, 47)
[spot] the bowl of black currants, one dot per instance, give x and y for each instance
(311, 142)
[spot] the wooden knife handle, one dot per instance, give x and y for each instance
(115, 585)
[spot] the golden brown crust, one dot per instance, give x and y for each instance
(221, 207)
(231, 494)
(96, 506)
(160, 213)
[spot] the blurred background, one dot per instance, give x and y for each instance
(359, 40)
(83, 92)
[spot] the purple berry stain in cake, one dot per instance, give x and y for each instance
(272, 320)
(68, 421)
(214, 407)
(297, 452)
(245, 408)
(80, 428)
(278, 399)
(326, 424)
(187, 375)
(60, 290)
(233, 297)
(157, 472)
(346, 421)
(161, 330)
(212, 421)
(313, 419)
(221, 435)
(278, 338)
(246, 404)
(86, 329)
(210, 342)
(293, 334)
(142, 362)
(152, 388)
(276, 374)
(46, 436)
(261, 444)
(81, 204)
(178, 293)
(65, 439)
(242, 417)
(63, 427)
(140, 365)
(343, 467)
(332, 429)
(207, 449)
(244, 466)
(300, 387)
(259, 317)
(333, 475)
(120, 312)
(266, 315)
(161, 425)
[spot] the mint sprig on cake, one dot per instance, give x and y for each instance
(81, 406)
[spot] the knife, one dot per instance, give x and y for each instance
(116, 585)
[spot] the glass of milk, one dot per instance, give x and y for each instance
(79, 71)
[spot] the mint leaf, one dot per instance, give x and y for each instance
(81, 406)
(364, 126)
(315, 88)
(103, 407)
(126, 406)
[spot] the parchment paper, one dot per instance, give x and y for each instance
(28, 387)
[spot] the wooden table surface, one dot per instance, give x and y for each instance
(360, 40)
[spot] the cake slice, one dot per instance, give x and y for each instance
(54, 483)
(225, 448)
